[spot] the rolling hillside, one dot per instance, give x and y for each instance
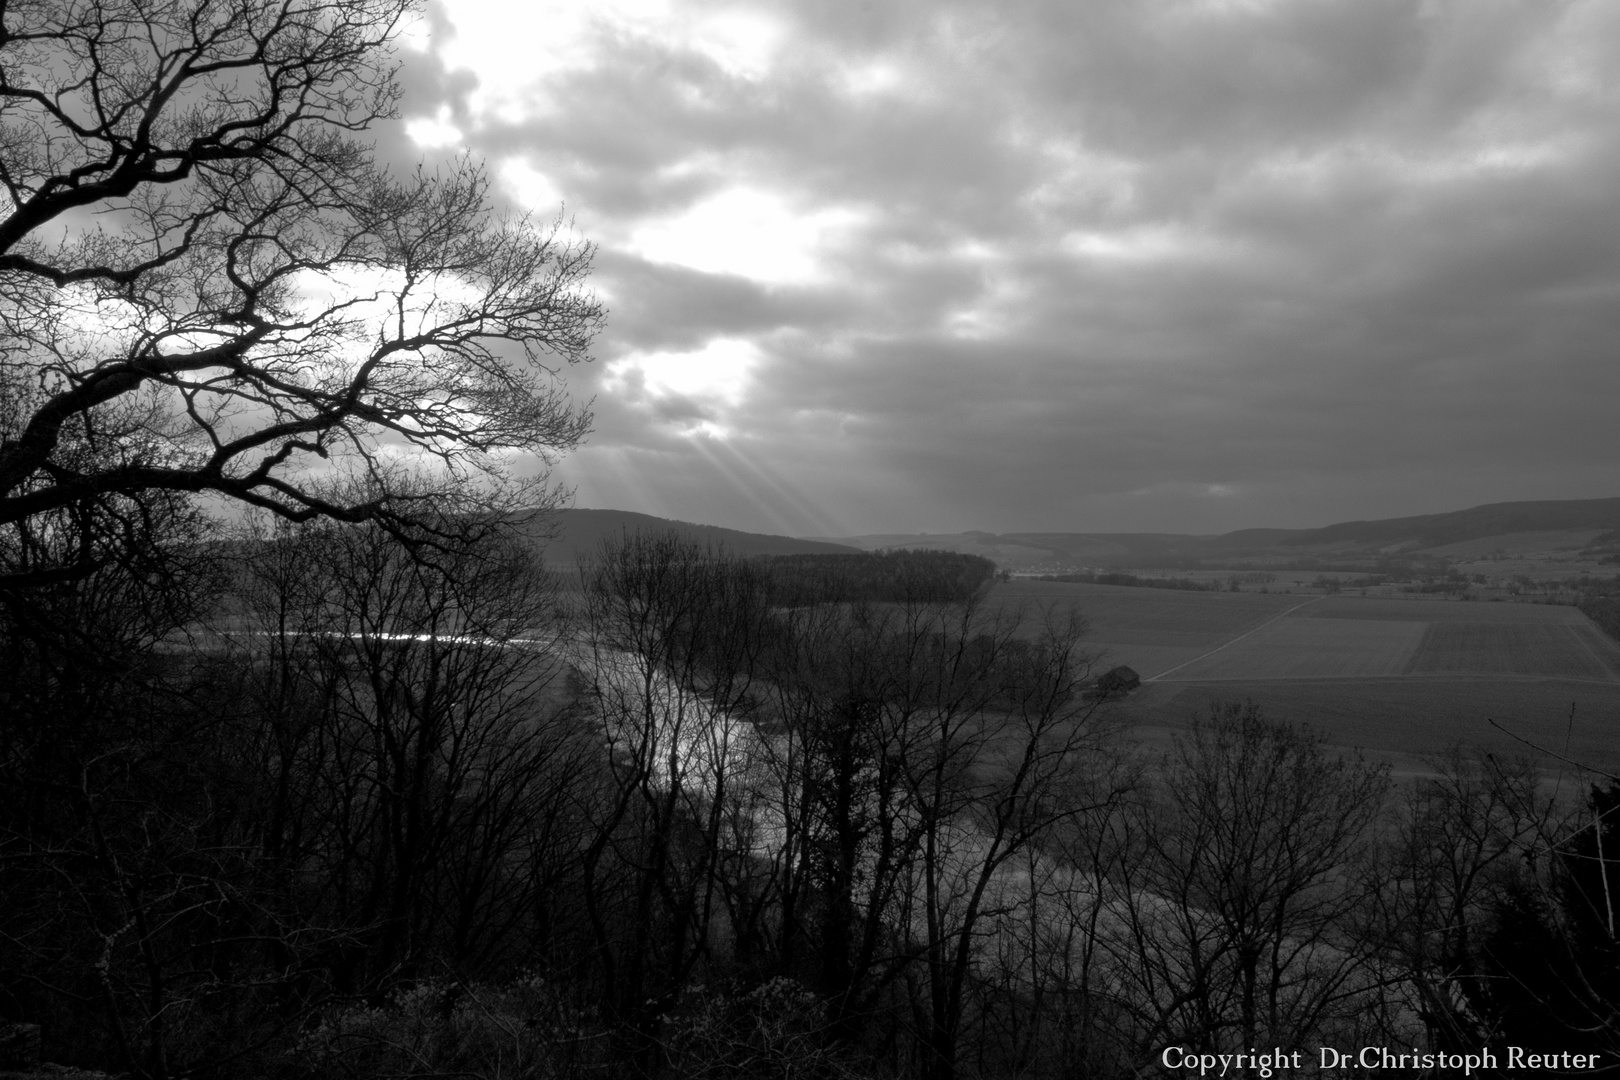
(1480, 522)
(1554, 524)
(582, 532)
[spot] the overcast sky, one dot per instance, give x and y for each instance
(1103, 265)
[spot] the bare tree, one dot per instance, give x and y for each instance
(673, 636)
(117, 842)
(1051, 999)
(1240, 924)
(1461, 844)
(921, 748)
(208, 285)
(1000, 721)
(415, 747)
(837, 791)
(1497, 908)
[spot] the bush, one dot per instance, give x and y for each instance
(776, 1029)
(525, 1030)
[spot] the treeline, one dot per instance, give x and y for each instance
(1599, 599)
(418, 811)
(1093, 578)
(1603, 610)
(1605, 547)
(895, 576)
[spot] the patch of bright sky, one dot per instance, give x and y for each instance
(433, 132)
(742, 230)
(996, 312)
(1222, 7)
(743, 41)
(974, 250)
(537, 193)
(1074, 175)
(710, 430)
(719, 372)
(870, 77)
(350, 302)
(515, 48)
(529, 186)
(415, 33)
(748, 232)
(1480, 158)
(1142, 243)
(91, 326)
(1511, 157)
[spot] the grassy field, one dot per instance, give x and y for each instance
(1430, 610)
(1208, 636)
(1153, 630)
(1292, 647)
(1398, 677)
(1571, 650)
(1400, 720)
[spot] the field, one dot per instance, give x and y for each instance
(1357, 637)
(1153, 630)
(1400, 678)
(1294, 647)
(1167, 635)
(1401, 720)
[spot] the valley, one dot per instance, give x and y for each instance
(1397, 677)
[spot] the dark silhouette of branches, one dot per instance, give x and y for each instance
(208, 285)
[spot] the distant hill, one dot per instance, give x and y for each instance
(581, 533)
(1408, 535)
(1024, 550)
(1493, 519)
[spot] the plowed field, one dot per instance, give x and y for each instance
(1397, 677)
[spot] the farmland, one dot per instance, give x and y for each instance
(1154, 629)
(1400, 720)
(1397, 676)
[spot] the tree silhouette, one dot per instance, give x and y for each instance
(209, 285)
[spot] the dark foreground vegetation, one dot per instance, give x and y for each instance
(1091, 577)
(898, 576)
(1599, 600)
(312, 804)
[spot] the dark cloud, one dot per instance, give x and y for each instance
(1113, 265)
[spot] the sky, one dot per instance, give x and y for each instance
(883, 266)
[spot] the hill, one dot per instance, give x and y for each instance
(1478, 523)
(582, 532)
(1520, 527)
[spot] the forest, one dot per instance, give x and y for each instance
(318, 803)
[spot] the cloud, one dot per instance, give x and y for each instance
(1114, 265)
(717, 375)
(744, 232)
